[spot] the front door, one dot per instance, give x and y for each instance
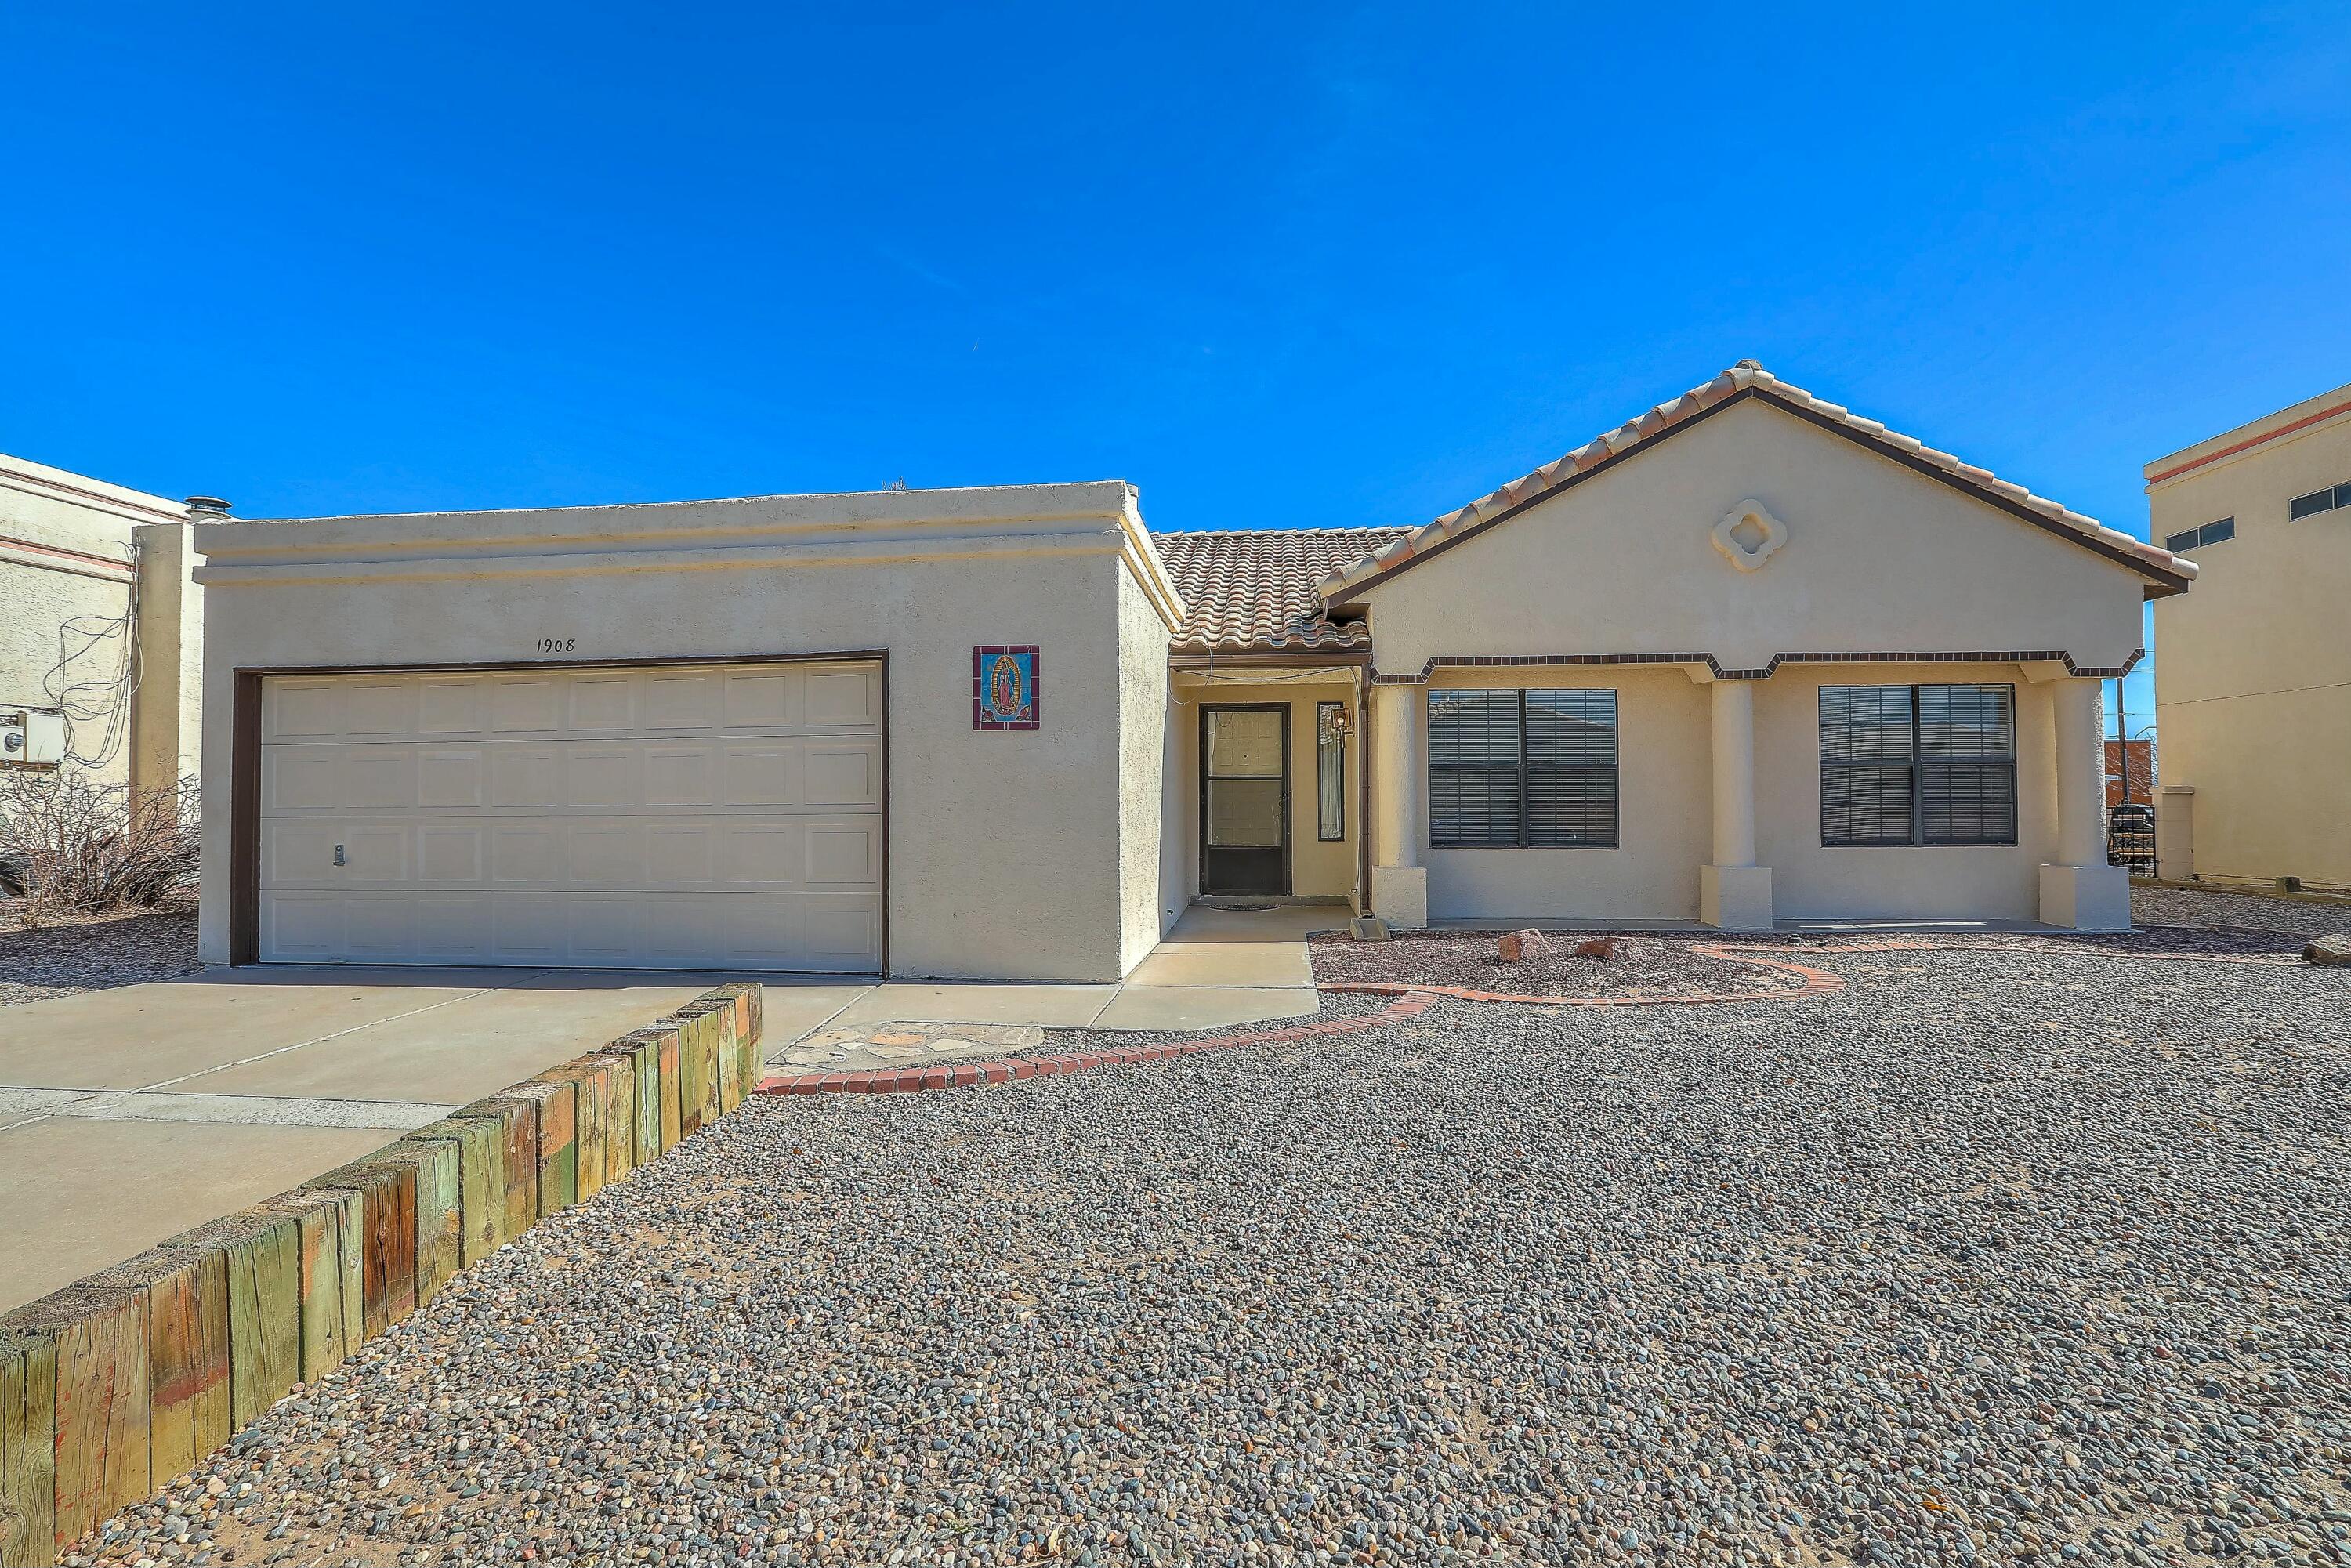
(1244, 799)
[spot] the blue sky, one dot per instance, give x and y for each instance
(1312, 264)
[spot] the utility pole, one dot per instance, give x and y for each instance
(2122, 723)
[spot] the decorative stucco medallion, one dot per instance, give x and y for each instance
(1748, 535)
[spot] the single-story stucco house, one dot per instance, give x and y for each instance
(1747, 658)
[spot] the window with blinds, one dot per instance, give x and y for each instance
(1509, 769)
(1918, 765)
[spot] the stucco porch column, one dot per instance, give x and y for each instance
(1733, 892)
(2082, 889)
(1399, 779)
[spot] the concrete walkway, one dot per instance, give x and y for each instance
(130, 1115)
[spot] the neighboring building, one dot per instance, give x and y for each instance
(2135, 764)
(1748, 657)
(2253, 694)
(102, 657)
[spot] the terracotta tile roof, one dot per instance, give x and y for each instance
(1748, 377)
(1253, 589)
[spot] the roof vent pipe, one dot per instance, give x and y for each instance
(207, 506)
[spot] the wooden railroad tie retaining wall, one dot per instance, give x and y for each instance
(114, 1386)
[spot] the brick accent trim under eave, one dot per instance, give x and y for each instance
(1522, 661)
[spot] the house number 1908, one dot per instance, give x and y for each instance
(555, 644)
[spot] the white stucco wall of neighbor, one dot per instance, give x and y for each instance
(1878, 559)
(1011, 854)
(72, 549)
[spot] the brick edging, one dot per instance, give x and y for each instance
(1412, 1001)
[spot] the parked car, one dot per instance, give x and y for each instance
(2130, 839)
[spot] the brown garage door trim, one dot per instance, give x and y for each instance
(244, 766)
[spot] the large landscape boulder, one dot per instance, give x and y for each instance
(2335, 952)
(1518, 946)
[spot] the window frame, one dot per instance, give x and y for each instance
(1324, 833)
(1525, 769)
(2328, 496)
(1915, 765)
(2218, 531)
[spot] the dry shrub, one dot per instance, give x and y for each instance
(79, 847)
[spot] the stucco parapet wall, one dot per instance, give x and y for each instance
(2308, 417)
(2167, 573)
(56, 484)
(1706, 667)
(861, 529)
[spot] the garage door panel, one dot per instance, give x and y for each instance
(450, 777)
(376, 779)
(763, 852)
(297, 929)
(380, 707)
(603, 931)
(373, 853)
(835, 934)
(674, 817)
(603, 702)
(609, 854)
(767, 775)
(843, 697)
(681, 934)
(302, 779)
(686, 849)
(602, 775)
(449, 705)
(526, 706)
(682, 699)
(451, 851)
(298, 707)
(528, 931)
(841, 773)
(681, 775)
(380, 931)
(452, 930)
(758, 699)
(297, 853)
(526, 776)
(843, 853)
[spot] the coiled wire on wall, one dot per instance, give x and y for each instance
(88, 701)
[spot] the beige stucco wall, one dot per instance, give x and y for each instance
(66, 557)
(1879, 560)
(1662, 824)
(1318, 869)
(1813, 881)
(2254, 665)
(1012, 853)
(1143, 701)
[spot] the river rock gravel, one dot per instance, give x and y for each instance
(1992, 1257)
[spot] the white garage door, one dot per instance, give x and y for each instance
(714, 816)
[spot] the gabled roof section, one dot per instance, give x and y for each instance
(1252, 590)
(2165, 573)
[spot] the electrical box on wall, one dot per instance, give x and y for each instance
(32, 737)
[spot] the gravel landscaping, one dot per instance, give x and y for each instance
(1991, 1257)
(92, 953)
(1644, 966)
(2175, 906)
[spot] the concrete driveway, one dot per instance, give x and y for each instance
(130, 1115)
